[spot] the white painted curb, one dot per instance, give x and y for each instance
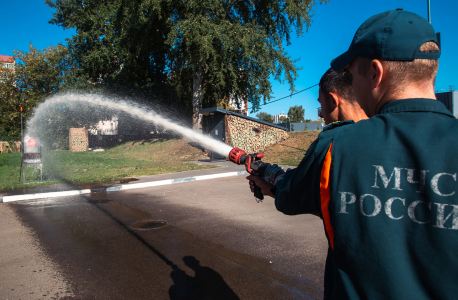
(118, 187)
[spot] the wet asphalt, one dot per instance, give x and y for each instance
(194, 240)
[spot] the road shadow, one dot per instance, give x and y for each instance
(206, 284)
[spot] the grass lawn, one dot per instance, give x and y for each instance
(128, 160)
(148, 157)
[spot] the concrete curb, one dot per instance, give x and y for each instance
(117, 188)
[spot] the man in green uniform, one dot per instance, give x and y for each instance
(338, 102)
(386, 187)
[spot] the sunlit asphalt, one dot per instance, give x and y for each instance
(218, 244)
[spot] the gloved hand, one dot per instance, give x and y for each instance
(260, 182)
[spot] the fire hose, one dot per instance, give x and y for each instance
(254, 166)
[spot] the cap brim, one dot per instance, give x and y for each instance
(342, 61)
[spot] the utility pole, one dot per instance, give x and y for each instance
(438, 34)
(429, 11)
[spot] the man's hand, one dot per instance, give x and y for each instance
(265, 187)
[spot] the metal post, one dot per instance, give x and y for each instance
(41, 162)
(22, 148)
(429, 11)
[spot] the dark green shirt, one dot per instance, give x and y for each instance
(390, 207)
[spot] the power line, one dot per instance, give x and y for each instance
(290, 95)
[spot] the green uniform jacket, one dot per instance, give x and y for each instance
(386, 189)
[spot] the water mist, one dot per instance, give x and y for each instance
(134, 110)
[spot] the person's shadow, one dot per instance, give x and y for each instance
(207, 284)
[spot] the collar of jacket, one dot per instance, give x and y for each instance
(415, 105)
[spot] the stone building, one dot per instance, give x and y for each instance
(237, 130)
(78, 139)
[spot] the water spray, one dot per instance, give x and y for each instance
(252, 162)
(132, 109)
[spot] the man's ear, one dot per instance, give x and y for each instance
(334, 99)
(377, 72)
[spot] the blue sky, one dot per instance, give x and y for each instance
(334, 24)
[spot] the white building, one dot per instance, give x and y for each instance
(240, 105)
(7, 64)
(109, 127)
(277, 117)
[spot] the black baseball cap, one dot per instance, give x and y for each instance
(395, 35)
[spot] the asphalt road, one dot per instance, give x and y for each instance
(218, 243)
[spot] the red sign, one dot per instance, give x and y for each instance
(32, 143)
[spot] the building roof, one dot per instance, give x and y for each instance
(6, 59)
(207, 111)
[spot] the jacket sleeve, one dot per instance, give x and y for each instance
(298, 191)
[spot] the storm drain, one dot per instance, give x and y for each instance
(149, 224)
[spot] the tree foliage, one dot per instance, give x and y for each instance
(296, 114)
(210, 50)
(119, 47)
(121, 40)
(10, 116)
(265, 117)
(41, 73)
(38, 74)
(283, 119)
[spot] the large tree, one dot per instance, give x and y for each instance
(117, 39)
(119, 47)
(211, 50)
(265, 117)
(296, 114)
(233, 47)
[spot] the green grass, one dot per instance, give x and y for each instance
(148, 157)
(128, 160)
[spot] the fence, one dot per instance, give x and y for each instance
(301, 126)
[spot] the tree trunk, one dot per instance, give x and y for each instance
(197, 98)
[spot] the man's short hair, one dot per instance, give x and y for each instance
(402, 73)
(339, 83)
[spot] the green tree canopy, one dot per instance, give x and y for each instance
(284, 119)
(115, 40)
(296, 114)
(37, 75)
(210, 50)
(265, 117)
(10, 116)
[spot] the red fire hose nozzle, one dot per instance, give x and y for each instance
(236, 156)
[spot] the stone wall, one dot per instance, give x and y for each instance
(6, 147)
(251, 136)
(78, 139)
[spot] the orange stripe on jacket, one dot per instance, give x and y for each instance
(325, 192)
